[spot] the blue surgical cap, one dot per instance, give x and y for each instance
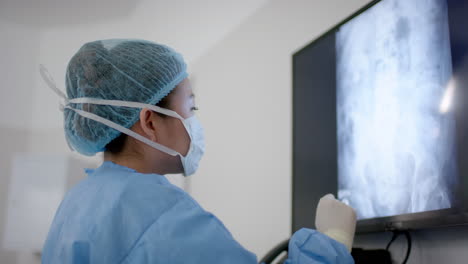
(116, 69)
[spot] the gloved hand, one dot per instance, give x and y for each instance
(336, 220)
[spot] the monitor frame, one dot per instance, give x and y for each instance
(429, 219)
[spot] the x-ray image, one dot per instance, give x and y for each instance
(396, 131)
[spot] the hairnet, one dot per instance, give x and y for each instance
(116, 69)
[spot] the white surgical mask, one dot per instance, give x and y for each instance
(192, 125)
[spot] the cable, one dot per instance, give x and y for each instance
(396, 234)
(275, 252)
(408, 251)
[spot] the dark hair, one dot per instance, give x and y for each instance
(116, 145)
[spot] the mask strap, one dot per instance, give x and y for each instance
(50, 82)
(124, 130)
(87, 100)
(84, 100)
(96, 101)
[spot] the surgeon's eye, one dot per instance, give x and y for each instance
(194, 108)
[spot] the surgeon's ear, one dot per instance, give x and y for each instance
(149, 121)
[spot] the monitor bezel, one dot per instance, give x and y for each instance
(422, 220)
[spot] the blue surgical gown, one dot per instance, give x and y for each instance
(117, 215)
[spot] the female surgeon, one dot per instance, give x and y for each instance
(132, 100)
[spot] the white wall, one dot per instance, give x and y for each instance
(243, 87)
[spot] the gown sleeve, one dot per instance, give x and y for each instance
(188, 234)
(309, 246)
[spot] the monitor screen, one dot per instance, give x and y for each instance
(395, 86)
(394, 81)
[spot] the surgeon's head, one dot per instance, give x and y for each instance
(120, 73)
(165, 130)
